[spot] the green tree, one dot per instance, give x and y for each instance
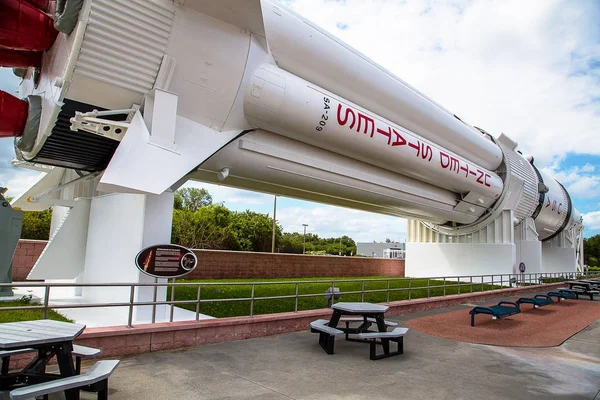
(292, 242)
(208, 227)
(591, 250)
(36, 225)
(191, 199)
(254, 231)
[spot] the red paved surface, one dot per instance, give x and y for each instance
(541, 327)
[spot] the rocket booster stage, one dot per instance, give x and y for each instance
(251, 95)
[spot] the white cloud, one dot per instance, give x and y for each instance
(329, 221)
(588, 168)
(591, 220)
(18, 183)
(581, 182)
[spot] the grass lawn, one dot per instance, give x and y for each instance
(25, 315)
(242, 308)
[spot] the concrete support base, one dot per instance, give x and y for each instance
(458, 259)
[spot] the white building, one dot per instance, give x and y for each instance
(381, 250)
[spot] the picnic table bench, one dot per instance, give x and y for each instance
(94, 380)
(397, 335)
(500, 310)
(79, 352)
(326, 334)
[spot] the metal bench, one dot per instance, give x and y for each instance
(500, 310)
(539, 300)
(326, 333)
(94, 380)
(563, 294)
(397, 335)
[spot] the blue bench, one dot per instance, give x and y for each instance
(500, 310)
(539, 300)
(563, 294)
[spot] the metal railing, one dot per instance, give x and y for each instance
(405, 289)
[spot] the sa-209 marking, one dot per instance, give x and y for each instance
(324, 117)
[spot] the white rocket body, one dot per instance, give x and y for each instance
(287, 108)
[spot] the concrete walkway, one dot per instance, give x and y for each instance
(293, 366)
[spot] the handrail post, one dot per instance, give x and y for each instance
(409, 287)
(131, 299)
(252, 302)
(172, 300)
(458, 280)
(46, 300)
(501, 281)
(388, 291)
(482, 283)
(154, 295)
(362, 294)
(471, 279)
(297, 293)
(198, 301)
(428, 291)
(444, 286)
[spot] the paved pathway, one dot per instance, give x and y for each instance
(293, 366)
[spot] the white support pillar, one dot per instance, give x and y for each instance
(488, 251)
(120, 226)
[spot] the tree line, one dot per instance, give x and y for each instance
(201, 224)
(591, 251)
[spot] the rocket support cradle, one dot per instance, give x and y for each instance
(256, 90)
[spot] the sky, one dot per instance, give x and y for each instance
(528, 69)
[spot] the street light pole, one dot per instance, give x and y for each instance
(304, 241)
(274, 226)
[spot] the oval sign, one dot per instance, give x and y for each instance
(166, 261)
(522, 267)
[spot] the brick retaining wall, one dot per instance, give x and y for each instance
(26, 254)
(239, 264)
(217, 264)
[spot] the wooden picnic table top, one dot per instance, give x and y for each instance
(14, 335)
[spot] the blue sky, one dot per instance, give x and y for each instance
(528, 69)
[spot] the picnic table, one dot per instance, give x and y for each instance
(50, 338)
(365, 310)
(366, 314)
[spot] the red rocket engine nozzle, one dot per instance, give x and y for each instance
(20, 59)
(13, 115)
(24, 26)
(41, 4)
